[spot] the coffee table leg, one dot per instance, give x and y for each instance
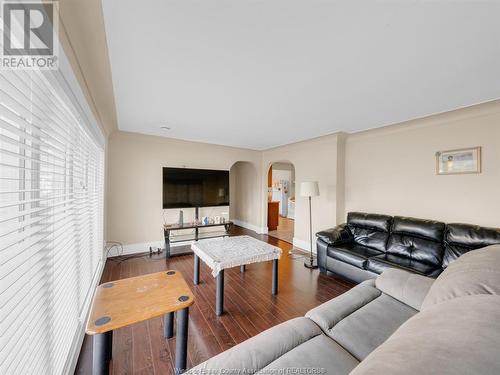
(219, 294)
(181, 340)
(196, 276)
(242, 268)
(102, 353)
(275, 277)
(168, 325)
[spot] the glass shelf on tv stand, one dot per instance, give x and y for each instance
(194, 225)
(173, 238)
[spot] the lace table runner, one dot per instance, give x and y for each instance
(235, 251)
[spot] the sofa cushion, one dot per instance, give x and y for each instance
(477, 272)
(320, 355)
(349, 272)
(456, 337)
(332, 312)
(380, 263)
(352, 253)
(368, 327)
(370, 230)
(417, 239)
(416, 248)
(429, 229)
(404, 286)
(261, 350)
(361, 319)
(377, 222)
(462, 238)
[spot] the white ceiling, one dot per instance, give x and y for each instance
(262, 73)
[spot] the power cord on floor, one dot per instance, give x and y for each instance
(110, 245)
(118, 257)
(122, 259)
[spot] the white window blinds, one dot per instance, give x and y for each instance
(51, 223)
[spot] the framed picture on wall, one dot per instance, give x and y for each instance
(461, 161)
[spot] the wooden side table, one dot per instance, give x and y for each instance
(123, 302)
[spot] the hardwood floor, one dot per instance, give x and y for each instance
(249, 308)
(284, 231)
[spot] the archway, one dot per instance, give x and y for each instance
(281, 200)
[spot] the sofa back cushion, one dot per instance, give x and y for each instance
(406, 287)
(417, 239)
(456, 337)
(462, 238)
(370, 230)
(477, 272)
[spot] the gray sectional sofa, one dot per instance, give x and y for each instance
(398, 323)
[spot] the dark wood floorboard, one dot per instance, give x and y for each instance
(249, 308)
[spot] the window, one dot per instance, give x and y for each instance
(51, 223)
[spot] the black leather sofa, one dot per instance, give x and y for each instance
(368, 244)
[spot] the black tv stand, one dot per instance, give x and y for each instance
(196, 225)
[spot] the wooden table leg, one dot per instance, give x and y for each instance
(196, 276)
(242, 268)
(181, 341)
(275, 277)
(219, 294)
(102, 353)
(168, 325)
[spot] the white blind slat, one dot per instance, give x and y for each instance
(51, 221)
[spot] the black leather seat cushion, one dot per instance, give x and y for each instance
(462, 238)
(382, 262)
(352, 254)
(416, 248)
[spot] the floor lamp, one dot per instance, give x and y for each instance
(310, 189)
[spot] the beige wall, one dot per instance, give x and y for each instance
(135, 161)
(388, 170)
(134, 209)
(313, 160)
(244, 198)
(392, 170)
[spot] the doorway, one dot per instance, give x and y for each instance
(281, 201)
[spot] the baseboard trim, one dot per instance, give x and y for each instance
(136, 248)
(255, 228)
(143, 247)
(304, 245)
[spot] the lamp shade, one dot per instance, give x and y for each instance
(309, 189)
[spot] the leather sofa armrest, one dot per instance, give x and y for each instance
(404, 286)
(340, 234)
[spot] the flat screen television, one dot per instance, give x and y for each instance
(183, 187)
